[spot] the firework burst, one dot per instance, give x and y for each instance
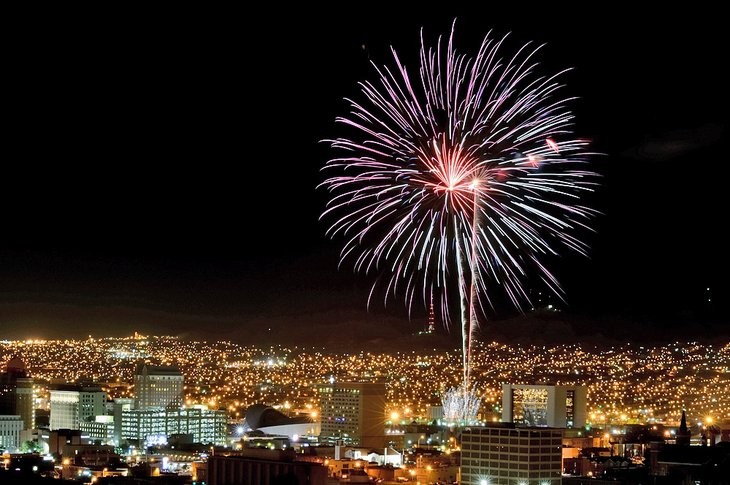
(460, 180)
(461, 405)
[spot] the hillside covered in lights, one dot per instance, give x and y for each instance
(626, 383)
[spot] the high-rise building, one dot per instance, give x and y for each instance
(25, 402)
(501, 454)
(538, 405)
(154, 426)
(72, 404)
(158, 387)
(120, 405)
(16, 393)
(353, 413)
(10, 428)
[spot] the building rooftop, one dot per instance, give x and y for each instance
(696, 455)
(76, 387)
(14, 369)
(261, 416)
(15, 364)
(158, 370)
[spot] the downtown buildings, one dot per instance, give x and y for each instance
(235, 379)
(158, 412)
(526, 449)
(151, 418)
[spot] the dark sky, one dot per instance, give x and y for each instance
(159, 167)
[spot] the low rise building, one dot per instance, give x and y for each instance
(101, 429)
(263, 467)
(10, 428)
(505, 455)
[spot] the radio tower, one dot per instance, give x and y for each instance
(431, 324)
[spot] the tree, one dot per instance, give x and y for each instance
(30, 447)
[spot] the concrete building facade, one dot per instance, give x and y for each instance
(263, 467)
(353, 413)
(154, 426)
(10, 428)
(25, 402)
(506, 455)
(72, 404)
(538, 405)
(158, 387)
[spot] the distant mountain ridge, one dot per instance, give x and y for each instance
(338, 328)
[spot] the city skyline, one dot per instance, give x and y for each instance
(203, 410)
(435, 244)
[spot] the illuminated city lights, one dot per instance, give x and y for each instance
(626, 384)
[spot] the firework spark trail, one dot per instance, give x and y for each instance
(461, 405)
(471, 173)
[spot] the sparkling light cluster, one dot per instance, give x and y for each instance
(461, 405)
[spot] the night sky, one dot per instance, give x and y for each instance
(159, 168)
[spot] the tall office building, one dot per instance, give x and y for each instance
(72, 404)
(537, 405)
(504, 455)
(16, 393)
(25, 402)
(353, 413)
(158, 387)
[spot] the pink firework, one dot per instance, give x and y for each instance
(460, 179)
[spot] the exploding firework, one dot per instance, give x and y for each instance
(461, 405)
(459, 180)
